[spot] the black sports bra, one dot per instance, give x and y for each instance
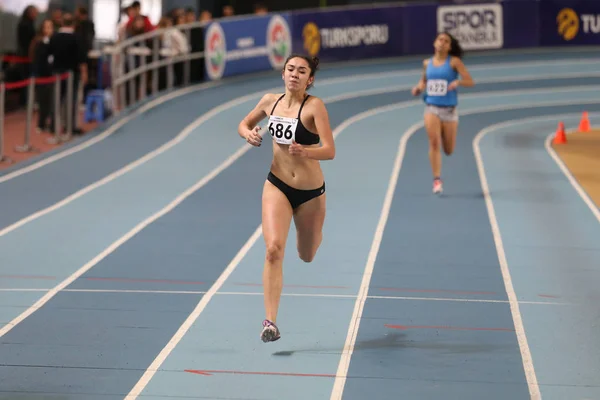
(282, 129)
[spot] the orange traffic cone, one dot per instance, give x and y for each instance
(560, 137)
(584, 124)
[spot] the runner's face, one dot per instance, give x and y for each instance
(442, 43)
(296, 74)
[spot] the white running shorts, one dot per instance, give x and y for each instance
(444, 113)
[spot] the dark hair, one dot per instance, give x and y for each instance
(26, 15)
(38, 37)
(313, 64)
(455, 48)
(68, 20)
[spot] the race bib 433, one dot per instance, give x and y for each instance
(283, 129)
(437, 87)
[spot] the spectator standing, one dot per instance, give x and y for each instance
(86, 32)
(25, 35)
(260, 9)
(56, 17)
(26, 30)
(228, 11)
(205, 16)
(190, 16)
(122, 28)
(69, 55)
(42, 67)
(85, 28)
(135, 9)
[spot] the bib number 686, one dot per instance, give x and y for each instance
(278, 131)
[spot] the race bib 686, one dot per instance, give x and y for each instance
(283, 129)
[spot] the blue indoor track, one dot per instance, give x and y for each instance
(131, 260)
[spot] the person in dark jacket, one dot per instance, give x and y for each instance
(86, 32)
(41, 66)
(26, 30)
(85, 28)
(69, 55)
(56, 15)
(25, 35)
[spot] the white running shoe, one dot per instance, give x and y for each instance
(437, 186)
(270, 332)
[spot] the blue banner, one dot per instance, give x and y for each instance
(261, 43)
(569, 22)
(246, 45)
(521, 25)
(348, 34)
(419, 18)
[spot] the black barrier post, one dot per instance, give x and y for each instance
(187, 63)
(27, 147)
(57, 122)
(69, 111)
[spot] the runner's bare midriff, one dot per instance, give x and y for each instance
(298, 172)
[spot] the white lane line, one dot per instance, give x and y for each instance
(578, 188)
(153, 103)
(106, 133)
(187, 324)
(289, 294)
(224, 107)
(338, 386)
(476, 67)
(526, 356)
(228, 162)
(138, 228)
(129, 167)
(344, 363)
(162, 356)
(145, 379)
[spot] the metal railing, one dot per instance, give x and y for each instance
(137, 59)
(131, 62)
(31, 84)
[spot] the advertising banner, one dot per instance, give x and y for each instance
(570, 22)
(261, 43)
(348, 34)
(521, 23)
(246, 45)
(420, 18)
(476, 26)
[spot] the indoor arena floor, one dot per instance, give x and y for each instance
(131, 260)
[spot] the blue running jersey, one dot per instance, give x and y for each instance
(436, 89)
